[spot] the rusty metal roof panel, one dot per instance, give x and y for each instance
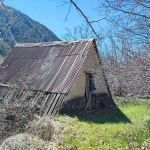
(50, 66)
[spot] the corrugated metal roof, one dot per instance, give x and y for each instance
(50, 66)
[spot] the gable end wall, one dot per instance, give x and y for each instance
(91, 63)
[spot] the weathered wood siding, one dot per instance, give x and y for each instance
(44, 103)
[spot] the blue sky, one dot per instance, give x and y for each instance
(52, 14)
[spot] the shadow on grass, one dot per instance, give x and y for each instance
(148, 124)
(114, 115)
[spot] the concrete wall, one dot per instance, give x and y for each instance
(91, 63)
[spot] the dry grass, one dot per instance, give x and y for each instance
(125, 127)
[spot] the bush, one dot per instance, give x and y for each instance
(4, 48)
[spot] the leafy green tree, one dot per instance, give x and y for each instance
(16, 27)
(4, 48)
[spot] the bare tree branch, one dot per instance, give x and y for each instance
(3, 5)
(64, 3)
(68, 13)
(89, 23)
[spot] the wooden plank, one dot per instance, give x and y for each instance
(3, 93)
(9, 97)
(53, 105)
(15, 94)
(22, 96)
(6, 95)
(57, 103)
(35, 98)
(40, 94)
(63, 96)
(88, 93)
(25, 95)
(88, 103)
(43, 105)
(36, 95)
(40, 98)
(50, 103)
(19, 94)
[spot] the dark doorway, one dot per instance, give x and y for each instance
(89, 88)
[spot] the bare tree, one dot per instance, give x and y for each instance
(127, 69)
(126, 42)
(127, 62)
(126, 58)
(82, 31)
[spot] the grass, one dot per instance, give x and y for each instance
(122, 128)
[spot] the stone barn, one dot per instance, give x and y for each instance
(54, 75)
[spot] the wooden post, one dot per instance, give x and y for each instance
(89, 89)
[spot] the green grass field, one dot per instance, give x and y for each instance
(122, 128)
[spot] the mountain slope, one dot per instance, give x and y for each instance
(16, 27)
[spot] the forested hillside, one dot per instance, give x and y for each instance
(18, 27)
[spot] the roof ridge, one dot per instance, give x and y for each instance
(41, 44)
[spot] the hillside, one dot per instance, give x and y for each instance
(16, 27)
